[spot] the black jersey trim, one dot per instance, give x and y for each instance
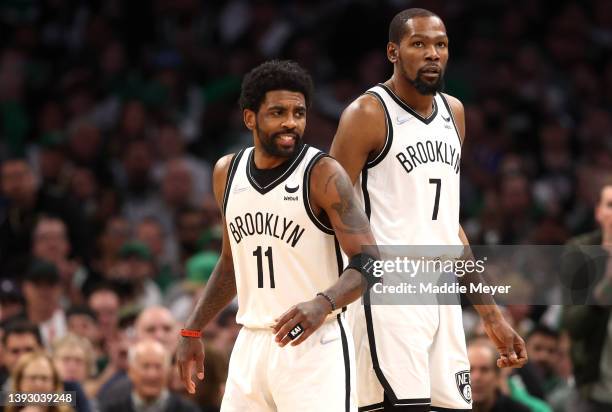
(230, 177)
(372, 341)
(375, 407)
(347, 365)
(265, 189)
(409, 109)
(364, 189)
(388, 138)
(339, 261)
(439, 409)
(450, 112)
(306, 195)
(389, 393)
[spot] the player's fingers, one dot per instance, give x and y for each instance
(303, 336)
(185, 373)
(290, 330)
(288, 324)
(509, 349)
(284, 318)
(502, 362)
(199, 366)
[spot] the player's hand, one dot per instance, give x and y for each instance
(308, 315)
(511, 347)
(190, 351)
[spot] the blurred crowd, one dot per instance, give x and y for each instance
(113, 112)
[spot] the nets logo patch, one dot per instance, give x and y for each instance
(464, 385)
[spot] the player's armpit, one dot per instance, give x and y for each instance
(361, 134)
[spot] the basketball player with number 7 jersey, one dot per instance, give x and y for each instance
(287, 209)
(400, 143)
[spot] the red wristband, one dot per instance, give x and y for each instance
(190, 333)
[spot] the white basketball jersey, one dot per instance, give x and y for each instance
(282, 253)
(411, 189)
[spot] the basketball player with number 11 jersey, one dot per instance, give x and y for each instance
(288, 211)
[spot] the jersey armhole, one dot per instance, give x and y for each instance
(452, 115)
(231, 172)
(389, 134)
(306, 195)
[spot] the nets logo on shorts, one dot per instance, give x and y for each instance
(464, 386)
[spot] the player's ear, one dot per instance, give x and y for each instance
(249, 117)
(392, 51)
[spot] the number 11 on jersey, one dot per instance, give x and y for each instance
(268, 254)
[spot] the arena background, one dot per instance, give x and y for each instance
(122, 107)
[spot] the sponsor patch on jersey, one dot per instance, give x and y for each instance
(291, 189)
(239, 189)
(403, 119)
(464, 385)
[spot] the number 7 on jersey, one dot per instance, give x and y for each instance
(438, 183)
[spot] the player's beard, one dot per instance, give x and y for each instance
(272, 148)
(423, 87)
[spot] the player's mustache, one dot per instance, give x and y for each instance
(431, 68)
(286, 132)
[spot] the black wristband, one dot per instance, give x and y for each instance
(329, 299)
(364, 263)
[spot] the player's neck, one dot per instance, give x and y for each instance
(422, 104)
(263, 160)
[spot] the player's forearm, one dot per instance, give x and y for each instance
(219, 291)
(347, 289)
(483, 302)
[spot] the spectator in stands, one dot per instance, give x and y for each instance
(35, 372)
(42, 291)
(163, 247)
(104, 301)
(73, 357)
(82, 321)
(485, 381)
(51, 243)
(543, 349)
(190, 226)
(26, 203)
(136, 269)
(149, 368)
(19, 338)
(587, 273)
(157, 323)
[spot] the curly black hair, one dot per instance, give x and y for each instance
(274, 75)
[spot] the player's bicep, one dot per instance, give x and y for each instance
(220, 175)
(333, 193)
(361, 132)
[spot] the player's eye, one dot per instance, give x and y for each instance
(418, 44)
(442, 44)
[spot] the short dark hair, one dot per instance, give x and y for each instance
(21, 327)
(42, 272)
(540, 329)
(82, 310)
(274, 75)
(397, 27)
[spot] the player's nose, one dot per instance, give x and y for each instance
(290, 122)
(431, 53)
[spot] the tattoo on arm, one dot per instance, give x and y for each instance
(351, 215)
(220, 290)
